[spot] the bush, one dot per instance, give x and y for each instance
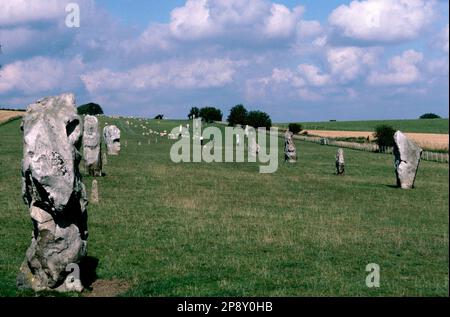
(384, 135)
(429, 116)
(295, 128)
(194, 112)
(238, 115)
(259, 119)
(210, 114)
(90, 108)
(159, 117)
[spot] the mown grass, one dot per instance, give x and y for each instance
(223, 229)
(414, 126)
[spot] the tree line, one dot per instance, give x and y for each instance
(238, 115)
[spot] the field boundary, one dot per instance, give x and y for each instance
(371, 147)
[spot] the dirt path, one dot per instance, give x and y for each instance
(425, 140)
(6, 115)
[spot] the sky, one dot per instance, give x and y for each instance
(311, 60)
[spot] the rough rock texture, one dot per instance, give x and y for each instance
(111, 133)
(290, 152)
(94, 192)
(406, 158)
(340, 162)
(54, 192)
(252, 145)
(92, 146)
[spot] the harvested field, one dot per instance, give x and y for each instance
(6, 115)
(430, 141)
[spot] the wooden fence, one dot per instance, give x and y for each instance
(372, 147)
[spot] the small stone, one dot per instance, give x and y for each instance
(290, 151)
(340, 162)
(94, 192)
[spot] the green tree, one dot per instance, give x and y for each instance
(194, 112)
(259, 119)
(384, 135)
(210, 114)
(429, 116)
(90, 108)
(238, 115)
(295, 128)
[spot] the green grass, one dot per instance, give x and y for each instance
(418, 126)
(224, 229)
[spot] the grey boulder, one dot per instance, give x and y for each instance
(407, 156)
(111, 134)
(290, 151)
(92, 145)
(340, 162)
(53, 190)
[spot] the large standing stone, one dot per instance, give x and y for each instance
(340, 162)
(92, 146)
(290, 152)
(53, 189)
(111, 134)
(406, 158)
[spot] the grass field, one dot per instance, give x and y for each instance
(418, 126)
(198, 229)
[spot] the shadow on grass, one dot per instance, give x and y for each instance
(88, 271)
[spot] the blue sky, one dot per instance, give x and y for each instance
(297, 60)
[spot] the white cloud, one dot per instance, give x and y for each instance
(282, 21)
(347, 63)
(443, 38)
(309, 28)
(25, 11)
(199, 19)
(40, 74)
(176, 74)
(383, 20)
(313, 75)
(192, 20)
(403, 70)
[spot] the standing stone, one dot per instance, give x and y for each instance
(340, 162)
(94, 192)
(111, 133)
(92, 146)
(53, 190)
(290, 152)
(252, 145)
(406, 159)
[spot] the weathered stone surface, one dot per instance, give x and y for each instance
(252, 145)
(53, 190)
(340, 162)
(94, 192)
(111, 134)
(290, 151)
(92, 146)
(406, 159)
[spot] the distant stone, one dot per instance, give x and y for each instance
(92, 146)
(290, 151)
(111, 134)
(94, 192)
(340, 162)
(54, 192)
(406, 158)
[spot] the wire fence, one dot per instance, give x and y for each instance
(372, 147)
